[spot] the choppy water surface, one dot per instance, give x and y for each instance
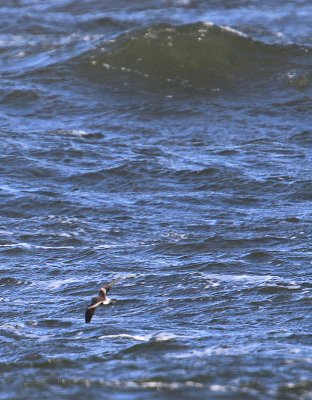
(167, 143)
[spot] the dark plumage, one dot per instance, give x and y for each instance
(99, 300)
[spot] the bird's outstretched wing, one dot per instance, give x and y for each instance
(108, 286)
(91, 309)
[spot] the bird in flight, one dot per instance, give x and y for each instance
(99, 300)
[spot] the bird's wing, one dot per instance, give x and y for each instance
(108, 286)
(91, 309)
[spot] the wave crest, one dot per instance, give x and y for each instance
(199, 54)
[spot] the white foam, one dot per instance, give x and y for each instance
(64, 234)
(159, 337)
(144, 338)
(54, 247)
(57, 283)
(234, 31)
(28, 246)
(141, 384)
(8, 189)
(17, 330)
(226, 28)
(12, 327)
(104, 246)
(160, 385)
(223, 350)
(215, 280)
(164, 336)
(72, 132)
(217, 388)
(218, 351)
(243, 277)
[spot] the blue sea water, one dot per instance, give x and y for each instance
(167, 144)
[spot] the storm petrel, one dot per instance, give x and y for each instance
(99, 300)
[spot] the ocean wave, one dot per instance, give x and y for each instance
(197, 55)
(16, 331)
(202, 55)
(11, 281)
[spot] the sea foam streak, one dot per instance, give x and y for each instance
(160, 337)
(215, 280)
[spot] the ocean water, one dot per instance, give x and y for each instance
(166, 143)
